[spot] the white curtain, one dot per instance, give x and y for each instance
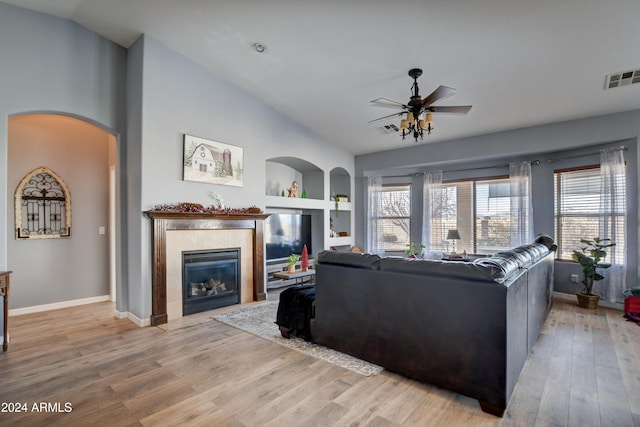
(374, 236)
(432, 212)
(521, 226)
(613, 211)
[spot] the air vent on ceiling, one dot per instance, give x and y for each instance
(624, 78)
(387, 129)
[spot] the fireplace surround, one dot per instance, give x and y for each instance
(199, 227)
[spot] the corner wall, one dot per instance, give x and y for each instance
(50, 65)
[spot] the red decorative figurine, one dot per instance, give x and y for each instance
(304, 261)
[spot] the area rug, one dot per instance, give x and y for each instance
(260, 320)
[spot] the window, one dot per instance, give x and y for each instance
(577, 210)
(395, 224)
(479, 210)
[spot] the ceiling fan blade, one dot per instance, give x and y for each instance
(387, 103)
(441, 93)
(454, 109)
(385, 117)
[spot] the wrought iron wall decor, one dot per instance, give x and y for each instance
(43, 206)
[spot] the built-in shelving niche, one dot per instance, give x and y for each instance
(340, 212)
(282, 171)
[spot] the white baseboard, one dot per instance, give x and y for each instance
(138, 321)
(57, 305)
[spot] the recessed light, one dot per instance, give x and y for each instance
(259, 47)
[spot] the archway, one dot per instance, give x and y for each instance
(79, 269)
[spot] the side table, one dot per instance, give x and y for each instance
(298, 275)
(4, 293)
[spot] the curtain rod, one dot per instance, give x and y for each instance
(533, 163)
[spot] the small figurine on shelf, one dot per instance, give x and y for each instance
(293, 191)
(304, 259)
(304, 194)
(282, 193)
(218, 198)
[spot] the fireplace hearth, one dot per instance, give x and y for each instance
(211, 279)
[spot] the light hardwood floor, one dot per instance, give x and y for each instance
(584, 371)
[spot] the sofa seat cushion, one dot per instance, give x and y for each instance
(350, 259)
(437, 268)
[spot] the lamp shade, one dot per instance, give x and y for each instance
(453, 235)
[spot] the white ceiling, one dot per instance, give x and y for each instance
(518, 62)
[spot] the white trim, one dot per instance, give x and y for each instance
(138, 321)
(135, 319)
(57, 305)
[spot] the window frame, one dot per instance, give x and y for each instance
(409, 189)
(474, 210)
(557, 220)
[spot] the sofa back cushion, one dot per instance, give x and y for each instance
(350, 259)
(436, 268)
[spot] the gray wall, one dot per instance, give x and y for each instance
(568, 141)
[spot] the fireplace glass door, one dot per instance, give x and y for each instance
(211, 279)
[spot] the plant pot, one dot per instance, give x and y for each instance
(291, 268)
(588, 301)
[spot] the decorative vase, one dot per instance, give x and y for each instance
(588, 301)
(291, 268)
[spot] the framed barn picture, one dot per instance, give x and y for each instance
(212, 162)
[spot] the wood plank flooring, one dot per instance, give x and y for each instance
(583, 371)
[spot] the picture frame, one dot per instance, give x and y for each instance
(212, 162)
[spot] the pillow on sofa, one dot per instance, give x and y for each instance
(350, 259)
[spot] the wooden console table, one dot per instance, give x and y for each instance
(4, 293)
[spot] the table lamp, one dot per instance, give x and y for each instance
(453, 235)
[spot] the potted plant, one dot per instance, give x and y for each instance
(414, 251)
(590, 257)
(292, 260)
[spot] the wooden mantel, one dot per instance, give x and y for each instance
(163, 221)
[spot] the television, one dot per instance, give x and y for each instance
(286, 234)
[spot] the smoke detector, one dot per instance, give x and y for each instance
(623, 78)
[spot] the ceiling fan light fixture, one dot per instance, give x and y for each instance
(418, 117)
(428, 118)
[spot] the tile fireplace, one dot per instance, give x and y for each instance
(176, 232)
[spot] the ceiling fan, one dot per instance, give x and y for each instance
(419, 111)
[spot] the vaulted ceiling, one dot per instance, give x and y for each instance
(518, 62)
